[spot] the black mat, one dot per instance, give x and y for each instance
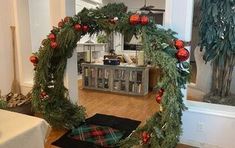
(122, 124)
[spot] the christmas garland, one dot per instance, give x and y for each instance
(51, 99)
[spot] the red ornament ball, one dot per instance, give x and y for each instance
(134, 19)
(77, 27)
(159, 95)
(158, 99)
(85, 28)
(51, 36)
(179, 44)
(53, 44)
(33, 59)
(182, 54)
(61, 24)
(145, 137)
(43, 95)
(144, 20)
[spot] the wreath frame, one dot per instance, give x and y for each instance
(51, 98)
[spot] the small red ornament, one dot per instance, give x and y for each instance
(158, 99)
(159, 95)
(51, 36)
(144, 20)
(145, 137)
(179, 44)
(53, 44)
(33, 59)
(61, 24)
(43, 95)
(134, 19)
(85, 28)
(182, 54)
(77, 27)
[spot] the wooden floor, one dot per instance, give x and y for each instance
(138, 108)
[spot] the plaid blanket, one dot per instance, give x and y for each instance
(99, 135)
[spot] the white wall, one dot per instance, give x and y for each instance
(179, 17)
(209, 125)
(39, 22)
(56, 11)
(23, 37)
(31, 28)
(6, 64)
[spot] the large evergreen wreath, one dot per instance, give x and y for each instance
(51, 99)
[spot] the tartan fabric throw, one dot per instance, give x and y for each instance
(99, 135)
(124, 125)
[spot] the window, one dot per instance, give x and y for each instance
(200, 87)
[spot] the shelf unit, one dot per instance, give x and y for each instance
(97, 50)
(132, 80)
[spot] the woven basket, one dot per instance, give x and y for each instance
(24, 109)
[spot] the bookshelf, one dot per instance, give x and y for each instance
(132, 80)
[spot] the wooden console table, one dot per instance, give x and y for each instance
(126, 79)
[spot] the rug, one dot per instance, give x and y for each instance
(100, 135)
(99, 131)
